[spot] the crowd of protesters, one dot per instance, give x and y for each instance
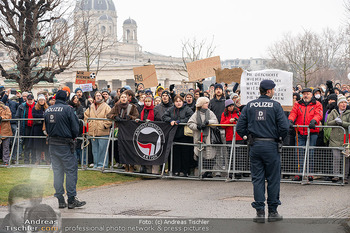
(326, 104)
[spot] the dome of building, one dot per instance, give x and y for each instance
(129, 21)
(106, 17)
(97, 5)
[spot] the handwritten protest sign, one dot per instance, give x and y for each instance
(83, 77)
(250, 83)
(228, 75)
(146, 75)
(182, 88)
(202, 69)
(86, 87)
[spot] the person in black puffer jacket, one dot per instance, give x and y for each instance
(182, 154)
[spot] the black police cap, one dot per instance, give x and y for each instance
(267, 84)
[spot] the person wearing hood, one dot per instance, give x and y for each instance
(99, 129)
(339, 116)
(190, 101)
(160, 109)
(159, 91)
(179, 113)
(199, 122)
(309, 112)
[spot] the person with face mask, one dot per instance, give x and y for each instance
(307, 111)
(317, 95)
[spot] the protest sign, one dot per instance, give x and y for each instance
(228, 75)
(202, 69)
(146, 75)
(182, 88)
(250, 83)
(86, 87)
(83, 77)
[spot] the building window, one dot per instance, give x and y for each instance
(103, 30)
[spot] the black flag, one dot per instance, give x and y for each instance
(145, 143)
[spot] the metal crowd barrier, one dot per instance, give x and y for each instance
(231, 161)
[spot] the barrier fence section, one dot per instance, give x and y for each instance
(230, 161)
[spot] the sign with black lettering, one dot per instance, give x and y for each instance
(83, 77)
(146, 75)
(250, 83)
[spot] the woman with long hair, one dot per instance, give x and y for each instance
(123, 110)
(40, 149)
(179, 113)
(79, 112)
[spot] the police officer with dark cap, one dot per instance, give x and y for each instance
(62, 127)
(265, 125)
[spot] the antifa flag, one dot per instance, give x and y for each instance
(147, 143)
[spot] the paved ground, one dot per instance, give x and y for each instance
(203, 199)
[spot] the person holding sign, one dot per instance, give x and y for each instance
(264, 123)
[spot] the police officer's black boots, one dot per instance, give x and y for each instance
(274, 216)
(61, 202)
(74, 202)
(260, 216)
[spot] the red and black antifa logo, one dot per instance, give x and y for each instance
(148, 141)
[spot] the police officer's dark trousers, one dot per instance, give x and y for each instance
(265, 162)
(64, 162)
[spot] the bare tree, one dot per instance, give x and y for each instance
(193, 50)
(40, 43)
(302, 54)
(95, 41)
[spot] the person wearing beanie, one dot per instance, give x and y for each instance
(199, 123)
(67, 89)
(84, 102)
(149, 93)
(217, 105)
(39, 148)
(309, 112)
(339, 116)
(317, 95)
(107, 98)
(160, 109)
(230, 116)
(99, 129)
(190, 101)
(179, 113)
(62, 129)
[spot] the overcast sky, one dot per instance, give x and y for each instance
(241, 29)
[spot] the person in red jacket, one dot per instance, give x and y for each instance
(309, 112)
(230, 116)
